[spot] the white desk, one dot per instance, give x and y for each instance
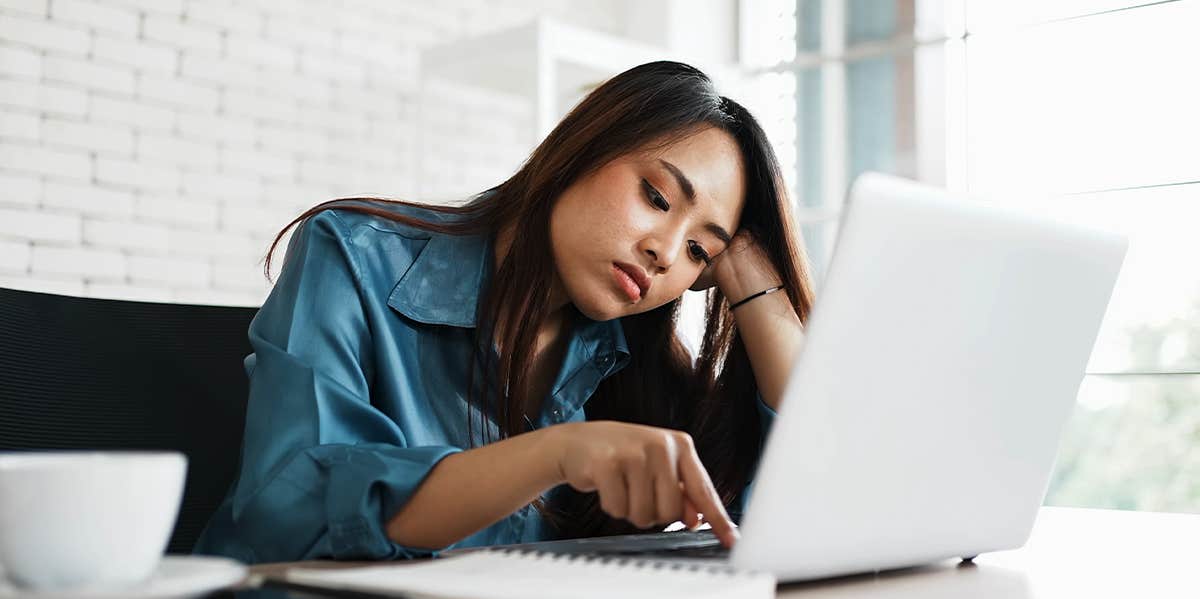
(1072, 553)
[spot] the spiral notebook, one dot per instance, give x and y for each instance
(513, 574)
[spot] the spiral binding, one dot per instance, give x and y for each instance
(614, 560)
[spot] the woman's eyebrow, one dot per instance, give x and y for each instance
(689, 192)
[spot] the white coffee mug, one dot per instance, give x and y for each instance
(95, 519)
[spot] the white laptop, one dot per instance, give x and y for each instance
(922, 418)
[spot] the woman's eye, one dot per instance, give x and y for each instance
(655, 197)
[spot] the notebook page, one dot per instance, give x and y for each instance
(530, 575)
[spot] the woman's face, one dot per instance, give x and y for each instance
(634, 214)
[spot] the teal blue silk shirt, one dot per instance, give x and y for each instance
(358, 387)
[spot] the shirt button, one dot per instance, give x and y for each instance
(603, 360)
(557, 414)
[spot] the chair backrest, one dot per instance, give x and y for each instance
(84, 373)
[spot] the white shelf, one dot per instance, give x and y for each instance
(551, 63)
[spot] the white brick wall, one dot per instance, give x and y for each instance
(150, 149)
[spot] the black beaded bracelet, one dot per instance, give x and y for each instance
(763, 292)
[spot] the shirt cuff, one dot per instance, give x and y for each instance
(349, 492)
(365, 487)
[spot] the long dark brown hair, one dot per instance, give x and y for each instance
(647, 107)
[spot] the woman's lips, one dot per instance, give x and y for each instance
(627, 284)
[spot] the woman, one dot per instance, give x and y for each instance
(381, 353)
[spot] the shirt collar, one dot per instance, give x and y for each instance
(443, 284)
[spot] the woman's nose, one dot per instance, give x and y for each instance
(663, 257)
(664, 247)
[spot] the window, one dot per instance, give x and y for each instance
(1084, 109)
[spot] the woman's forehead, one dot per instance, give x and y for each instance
(708, 162)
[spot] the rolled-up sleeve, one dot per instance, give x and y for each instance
(322, 469)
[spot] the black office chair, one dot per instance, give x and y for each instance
(82, 373)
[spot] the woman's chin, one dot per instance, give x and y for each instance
(601, 315)
(606, 310)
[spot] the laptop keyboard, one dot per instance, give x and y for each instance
(678, 544)
(714, 551)
(673, 544)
